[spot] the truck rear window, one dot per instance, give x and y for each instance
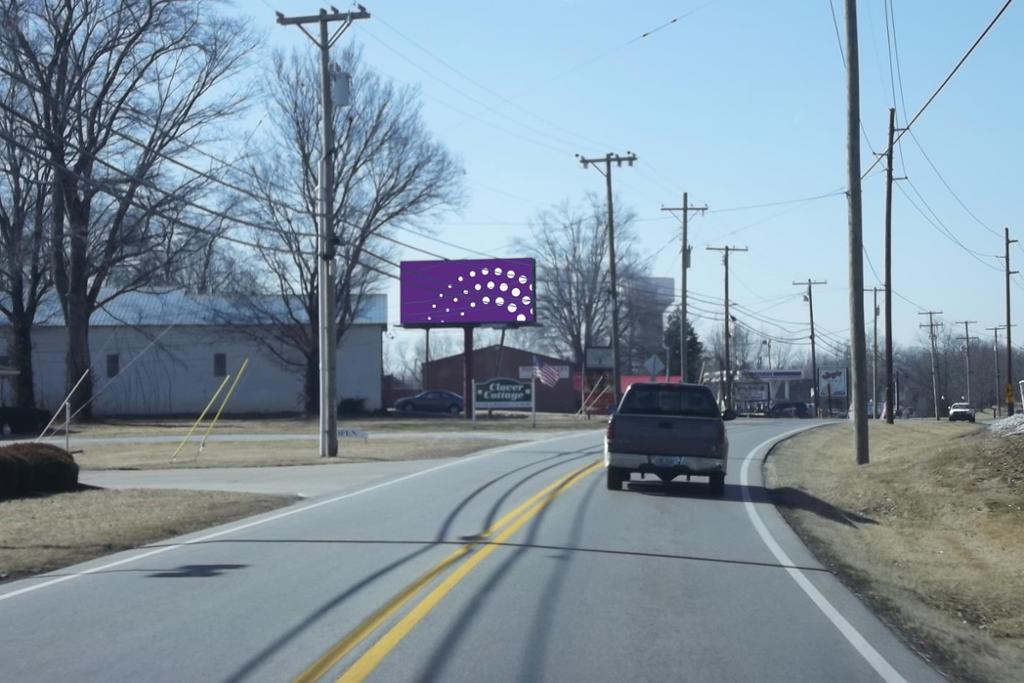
(681, 401)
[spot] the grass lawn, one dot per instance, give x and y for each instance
(44, 533)
(935, 536)
(501, 421)
(106, 456)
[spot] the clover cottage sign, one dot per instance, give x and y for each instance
(503, 392)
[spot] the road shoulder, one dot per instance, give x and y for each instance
(923, 535)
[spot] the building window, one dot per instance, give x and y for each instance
(5, 361)
(220, 364)
(113, 364)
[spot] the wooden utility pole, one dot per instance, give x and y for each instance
(995, 356)
(810, 284)
(685, 260)
(889, 379)
(931, 336)
(1009, 339)
(856, 239)
(596, 162)
(327, 239)
(874, 353)
(967, 351)
(726, 250)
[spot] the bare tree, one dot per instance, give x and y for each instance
(389, 173)
(570, 245)
(102, 70)
(24, 266)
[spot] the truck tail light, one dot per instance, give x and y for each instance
(609, 433)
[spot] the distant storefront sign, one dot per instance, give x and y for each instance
(599, 357)
(750, 391)
(833, 383)
(503, 392)
(775, 375)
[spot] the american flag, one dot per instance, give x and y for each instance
(547, 374)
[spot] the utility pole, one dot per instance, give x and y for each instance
(607, 160)
(889, 376)
(327, 239)
(810, 284)
(931, 336)
(856, 237)
(1009, 339)
(728, 360)
(967, 351)
(686, 209)
(995, 356)
(874, 354)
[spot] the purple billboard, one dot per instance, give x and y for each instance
(468, 292)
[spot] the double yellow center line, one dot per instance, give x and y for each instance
(488, 541)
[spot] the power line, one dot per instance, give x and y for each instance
(945, 81)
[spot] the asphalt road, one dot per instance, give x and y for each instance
(516, 565)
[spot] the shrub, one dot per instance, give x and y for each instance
(351, 406)
(34, 468)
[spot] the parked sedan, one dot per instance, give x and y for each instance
(432, 401)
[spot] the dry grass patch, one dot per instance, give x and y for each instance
(933, 538)
(107, 456)
(49, 532)
(501, 421)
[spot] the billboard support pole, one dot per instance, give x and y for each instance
(471, 407)
(533, 398)
(467, 365)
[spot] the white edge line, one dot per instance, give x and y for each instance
(281, 515)
(859, 642)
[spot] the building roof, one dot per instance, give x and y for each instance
(177, 307)
(511, 350)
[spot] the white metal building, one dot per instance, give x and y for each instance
(166, 353)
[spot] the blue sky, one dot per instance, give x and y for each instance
(739, 103)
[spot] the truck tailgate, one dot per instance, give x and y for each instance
(660, 435)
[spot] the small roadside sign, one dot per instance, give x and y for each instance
(350, 433)
(654, 366)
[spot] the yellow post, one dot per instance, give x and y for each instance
(227, 397)
(201, 416)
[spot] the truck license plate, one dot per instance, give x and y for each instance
(666, 460)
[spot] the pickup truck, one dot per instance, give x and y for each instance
(667, 430)
(961, 411)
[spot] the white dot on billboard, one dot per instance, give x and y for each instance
(515, 291)
(521, 318)
(462, 313)
(455, 299)
(490, 285)
(472, 304)
(429, 318)
(477, 286)
(484, 271)
(526, 300)
(497, 271)
(511, 308)
(503, 287)
(440, 296)
(433, 305)
(472, 273)
(500, 301)
(487, 299)
(465, 291)
(522, 279)
(461, 278)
